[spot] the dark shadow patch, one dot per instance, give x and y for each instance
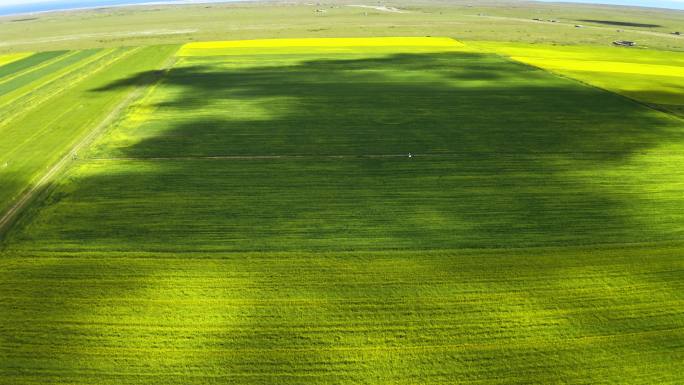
(26, 19)
(508, 157)
(621, 23)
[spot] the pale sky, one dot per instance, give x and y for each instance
(648, 3)
(677, 4)
(24, 2)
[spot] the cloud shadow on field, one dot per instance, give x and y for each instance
(484, 174)
(621, 23)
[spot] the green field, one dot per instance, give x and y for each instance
(248, 213)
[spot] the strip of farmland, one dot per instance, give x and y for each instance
(24, 100)
(20, 66)
(60, 113)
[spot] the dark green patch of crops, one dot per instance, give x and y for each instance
(441, 103)
(621, 23)
(304, 153)
(27, 62)
(34, 75)
(419, 203)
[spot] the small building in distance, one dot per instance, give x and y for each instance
(624, 43)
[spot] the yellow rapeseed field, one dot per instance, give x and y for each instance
(266, 45)
(649, 76)
(603, 66)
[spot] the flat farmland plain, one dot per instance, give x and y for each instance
(255, 218)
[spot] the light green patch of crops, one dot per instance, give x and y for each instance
(568, 316)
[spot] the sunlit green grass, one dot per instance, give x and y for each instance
(571, 316)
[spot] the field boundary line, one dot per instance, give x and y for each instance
(248, 157)
(62, 38)
(343, 156)
(11, 214)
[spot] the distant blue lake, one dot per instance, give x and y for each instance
(43, 6)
